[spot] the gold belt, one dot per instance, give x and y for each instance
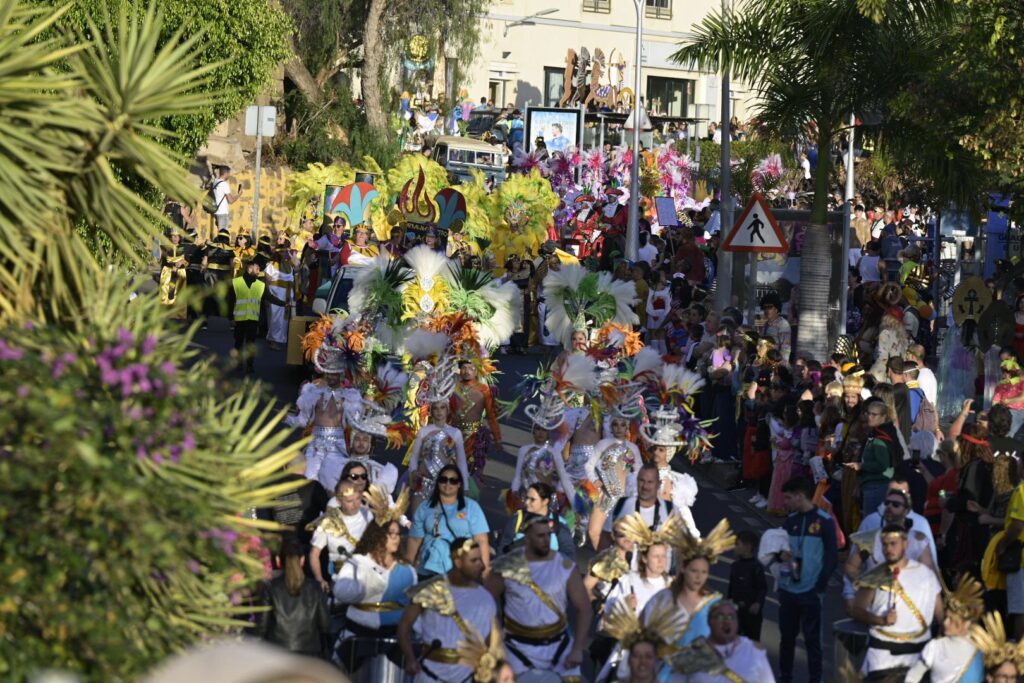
(281, 283)
(444, 655)
(538, 632)
(218, 266)
(471, 427)
(378, 606)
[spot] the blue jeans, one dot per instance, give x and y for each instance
(800, 612)
(872, 495)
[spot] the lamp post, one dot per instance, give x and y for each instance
(633, 226)
(726, 277)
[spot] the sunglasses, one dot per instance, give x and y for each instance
(449, 480)
(895, 504)
(358, 477)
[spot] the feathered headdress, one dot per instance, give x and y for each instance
(720, 540)
(990, 639)
(482, 658)
(428, 287)
(675, 424)
(335, 344)
(383, 512)
(663, 626)
(549, 413)
(376, 297)
(494, 308)
(635, 529)
(967, 601)
(615, 341)
(576, 297)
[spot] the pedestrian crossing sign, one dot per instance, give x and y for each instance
(756, 230)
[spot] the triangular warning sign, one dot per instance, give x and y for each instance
(756, 230)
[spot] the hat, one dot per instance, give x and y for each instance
(368, 417)
(665, 431)
(223, 237)
(549, 413)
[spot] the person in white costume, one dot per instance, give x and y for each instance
(446, 610)
(953, 658)
(645, 640)
(739, 658)
(898, 601)
(321, 407)
(664, 439)
(538, 586)
(364, 420)
(338, 530)
(373, 581)
(437, 444)
(280, 279)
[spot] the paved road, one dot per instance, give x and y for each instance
(712, 504)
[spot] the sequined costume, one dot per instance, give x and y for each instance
(540, 464)
(479, 437)
(434, 448)
(328, 441)
(612, 469)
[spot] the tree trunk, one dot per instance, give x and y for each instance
(373, 62)
(816, 263)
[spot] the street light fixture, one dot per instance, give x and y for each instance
(525, 21)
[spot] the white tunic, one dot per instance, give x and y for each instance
(339, 547)
(363, 581)
(743, 657)
(644, 590)
(524, 607)
(476, 606)
(278, 328)
(921, 587)
(945, 659)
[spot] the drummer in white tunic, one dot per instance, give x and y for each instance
(953, 658)
(898, 600)
(538, 585)
(446, 610)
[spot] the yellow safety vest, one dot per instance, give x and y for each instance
(247, 299)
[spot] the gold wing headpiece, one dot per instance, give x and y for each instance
(608, 565)
(967, 601)
(990, 639)
(720, 540)
(483, 658)
(383, 512)
(663, 626)
(635, 529)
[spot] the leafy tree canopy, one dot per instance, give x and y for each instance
(246, 39)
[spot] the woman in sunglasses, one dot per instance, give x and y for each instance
(446, 516)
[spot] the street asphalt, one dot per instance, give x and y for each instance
(713, 502)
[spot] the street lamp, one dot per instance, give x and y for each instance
(633, 225)
(528, 20)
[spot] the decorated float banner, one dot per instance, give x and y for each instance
(560, 128)
(351, 201)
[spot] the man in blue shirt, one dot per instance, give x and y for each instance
(810, 562)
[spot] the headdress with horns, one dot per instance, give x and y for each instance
(662, 626)
(720, 540)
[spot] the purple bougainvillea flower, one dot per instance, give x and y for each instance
(10, 352)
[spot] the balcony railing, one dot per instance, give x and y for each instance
(602, 6)
(658, 9)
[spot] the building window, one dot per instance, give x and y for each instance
(554, 85)
(658, 9)
(668, 96)
(603, 6)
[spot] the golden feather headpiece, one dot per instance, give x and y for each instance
(483, 658)
(635, 529)
(990, 639)
(663, 626)
(383, 512)
(967, 601)
(720, 540)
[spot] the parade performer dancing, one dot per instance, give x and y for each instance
(446, 610)
(953, 658)
(538, 585)
(373, 581)
(541, 461)
(321, 405)
(472, 399)
(172, 268)
(664, 437)
(688, 592)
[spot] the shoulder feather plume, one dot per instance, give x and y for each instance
(425, 345)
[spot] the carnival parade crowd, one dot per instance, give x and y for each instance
(599, 567)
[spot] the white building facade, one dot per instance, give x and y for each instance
(523, 47)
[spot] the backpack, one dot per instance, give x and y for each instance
(927, 419)
(210, 203)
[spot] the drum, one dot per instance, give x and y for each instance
(373, 660)
(851, 644)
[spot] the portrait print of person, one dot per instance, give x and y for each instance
(556, 140)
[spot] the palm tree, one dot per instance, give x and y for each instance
(812, 62)
(124, 471)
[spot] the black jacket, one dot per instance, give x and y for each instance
(296, 622)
